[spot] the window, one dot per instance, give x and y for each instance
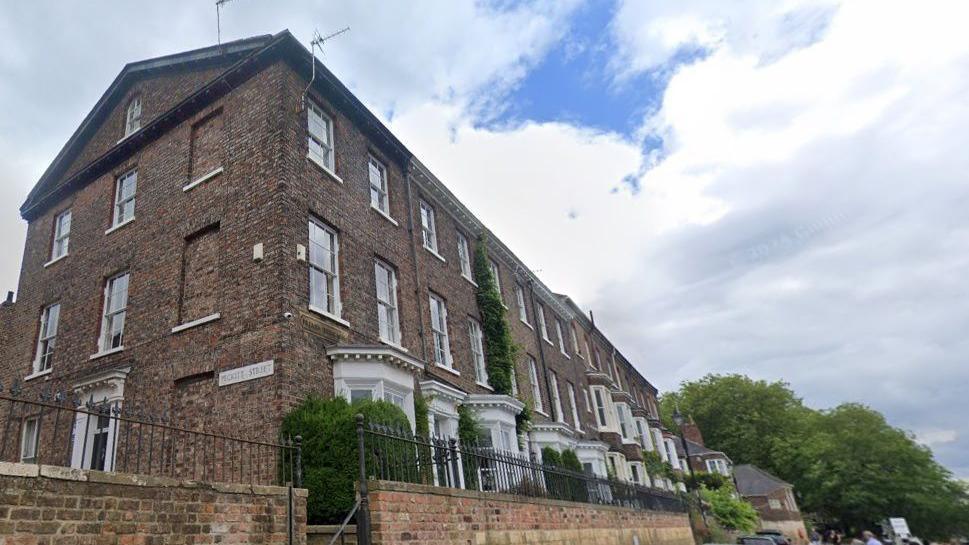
(634, 470)
(554, 394)
(428, 227)
(378, 186)
(62, 235)
(642, 433)
(29, 438)
(477, 352)
(442, 347)
(541, 323)
(394, 397)
(585, 341)
(718, 465)
(588, 402)
(536, 390)
(324, 269)
(774, 504)
(522, 311)
(46, 338)
(558, 332)
(493, 265)
(464, 256)
(514, 381)
(598, 361)
(357, 394)
(124, 198)
(575, 340)
(575, 408)
(600, 407)
(133, 116)
(115, 309)
(387, 320)
(320, 136)
(623, 423)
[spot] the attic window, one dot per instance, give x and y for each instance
(133, 116)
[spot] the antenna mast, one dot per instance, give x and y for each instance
(316, 42)
(218, 19)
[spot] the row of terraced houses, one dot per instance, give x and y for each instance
(230, 231)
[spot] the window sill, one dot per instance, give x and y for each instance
(202, 180)
(394, 345)
(485, 386)
(470, 280)
(435, 254)
(120, 225)
(550, 343)
(541, 412)
(195, 323)
(453, 371)
(528, 325)
(327, 315)
(38, 374)
(55, 260)
(327, 170)
(104, 353)
(385, 215)
(566, 354)
(129, 135)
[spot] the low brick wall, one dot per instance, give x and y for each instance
(321, 534)
(407, 513)
(47, 505)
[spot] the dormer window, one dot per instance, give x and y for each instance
(133, 116)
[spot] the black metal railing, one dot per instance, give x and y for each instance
(63, 429)
(397, 455)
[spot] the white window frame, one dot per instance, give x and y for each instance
(110, 317)
(132, 122)
(575, 340)
(514, 381)
(598, 397)
(428, 227)
(556, 396)
(120, 216)
(561, 337)
(331, 304)
(493, 266)
(62, 235)
(388, 317)
(588, 399)
(476, 337)
(575, 408)
(536, 389)
(621, 412)
(320, 147)
(522, 309)
(47, 338)
(543, 327)
(379, 192)
(29, 440)
(464, 257)
(442, 344)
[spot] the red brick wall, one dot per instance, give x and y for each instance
(405, 513)
(52, 506)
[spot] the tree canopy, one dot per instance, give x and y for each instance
(849, 466)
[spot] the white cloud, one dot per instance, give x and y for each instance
(935, 437)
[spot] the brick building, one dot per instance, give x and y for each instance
(773, 499)
(229, 231)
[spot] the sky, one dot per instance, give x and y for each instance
(773, 188)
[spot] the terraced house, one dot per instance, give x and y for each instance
(230, 230)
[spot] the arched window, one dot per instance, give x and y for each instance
(133, 116)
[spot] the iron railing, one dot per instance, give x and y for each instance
(62, 429)
(397, 455)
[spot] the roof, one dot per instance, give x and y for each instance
(754, 481)
(696, 449)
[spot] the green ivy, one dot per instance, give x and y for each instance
(523, 420)
(729, 510)
(422, 425)
(500, 349)
(469, 428)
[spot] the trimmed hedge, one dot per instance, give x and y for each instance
(330, 467)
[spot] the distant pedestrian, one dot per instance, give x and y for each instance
(870, 538)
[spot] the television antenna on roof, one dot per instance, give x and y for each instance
(218, 19)
(316, 42)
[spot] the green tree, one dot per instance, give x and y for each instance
(730, 511)
(500, 348)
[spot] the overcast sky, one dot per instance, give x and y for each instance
(773, 188)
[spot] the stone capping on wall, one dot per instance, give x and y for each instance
(11, 469)
(410, 488)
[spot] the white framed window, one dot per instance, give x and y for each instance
(561, 338)
(717, 465)
(428, 227)
(514, 381)
(598, 361)
(464, 256)
(622, 411)
(600, 407)
(618, 376)
(62, 235)
(541, 322)
(555, 397)
(588, 401)
(642, 433)
(493, 265)
(522, 310)
(575, 340)
(442, 345)
(324, 264)
(477, 351)
(378, 186)
(320, 141)
(585, 344)
(393, 396)
(575, 407)
(774, 504)
(29, 440)
(124, 197)
(115, 309)
(536, 389)
(634, 472)
(133, 116)
(47, 337)
(387, 315)
(358, 393)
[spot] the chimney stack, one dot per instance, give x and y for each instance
(691, 432)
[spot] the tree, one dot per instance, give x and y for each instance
(500, 348)
(730, 511)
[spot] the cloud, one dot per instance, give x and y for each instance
(933, 437)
